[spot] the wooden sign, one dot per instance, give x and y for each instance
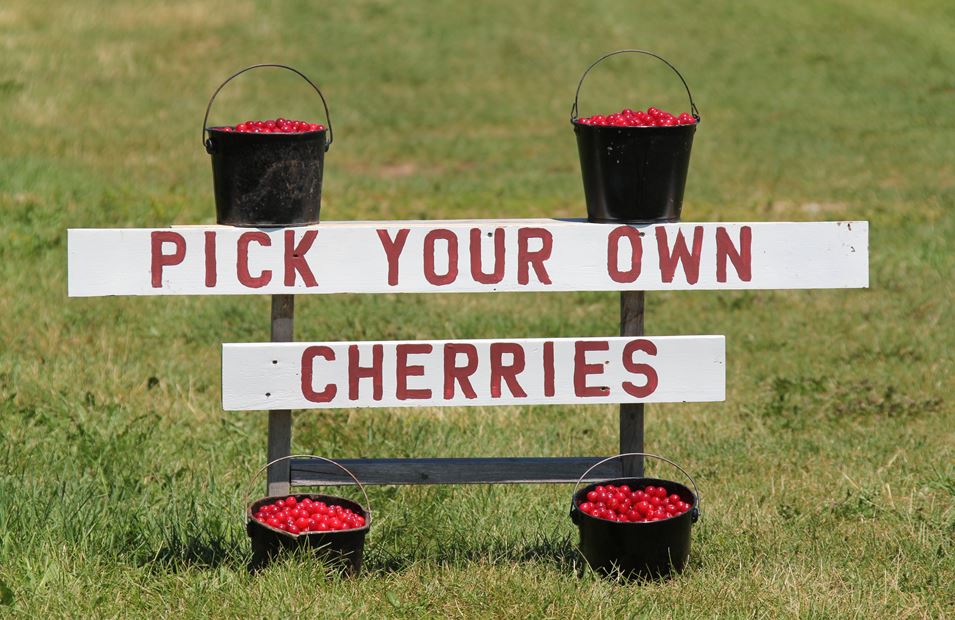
(466, 256)
(440, 373)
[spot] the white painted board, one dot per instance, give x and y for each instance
(439, 373)
(466, 256)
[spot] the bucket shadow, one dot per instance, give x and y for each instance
(201, 550)
(560, 553)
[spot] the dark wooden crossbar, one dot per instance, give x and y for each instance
(308, 472)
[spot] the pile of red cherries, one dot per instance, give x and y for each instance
(278, 125)
(302, 516)
(620, 503)
(653, 117)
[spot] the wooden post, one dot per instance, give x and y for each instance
(280, 420)
(631, 414)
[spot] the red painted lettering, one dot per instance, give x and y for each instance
(670, 259)
(527, 258)
(242, 261)
(211, 274)
(476, 271)
(393, 250)
(160, 260)
(430, 274)
(582, 369)
(640, 369)
(403, 371)
(613, 252)
(461, 374)
(373, 372)
(507, 372)
(741, 257)
(548, 368)
(295, 258)
(308, 363)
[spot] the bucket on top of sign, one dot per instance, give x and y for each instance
(339, 548)
(650, 549)
(634, 175)
(267, 179)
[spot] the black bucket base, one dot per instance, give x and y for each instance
(651, 550)
(634, 175)
(662, 220)
(340, 549)
(263, 180)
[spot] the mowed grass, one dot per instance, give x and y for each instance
(828, 474)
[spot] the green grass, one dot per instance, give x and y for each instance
(828, 474)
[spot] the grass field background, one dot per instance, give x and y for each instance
(828, 474)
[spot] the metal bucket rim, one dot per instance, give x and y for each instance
(220, 129)
(577, 123)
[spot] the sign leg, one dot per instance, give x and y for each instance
(280, 420)
(631, 414)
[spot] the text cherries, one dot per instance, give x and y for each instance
(278, 125)
(653, 117)
(299, 517)
(620, 503)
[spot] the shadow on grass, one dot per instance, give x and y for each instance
(202, 550)
(559, 553)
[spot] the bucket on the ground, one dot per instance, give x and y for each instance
(267, 179)
(634, 175)
(342, 549)
(649, 550)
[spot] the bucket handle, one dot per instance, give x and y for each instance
(245, 500)
(573, 110)
(205, 120)
(699, 500)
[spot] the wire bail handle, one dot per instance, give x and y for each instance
(205, 120)
(696, 491)
(573, 110)
(245, 500)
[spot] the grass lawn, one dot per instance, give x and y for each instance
(828, 474)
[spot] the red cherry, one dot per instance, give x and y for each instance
(685, 119)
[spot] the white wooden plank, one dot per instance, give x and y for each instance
(472, 372)
(489, 256)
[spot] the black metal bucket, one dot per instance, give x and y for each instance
(341, 549)
(267, 179)
(649, 550)
(634, 175)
